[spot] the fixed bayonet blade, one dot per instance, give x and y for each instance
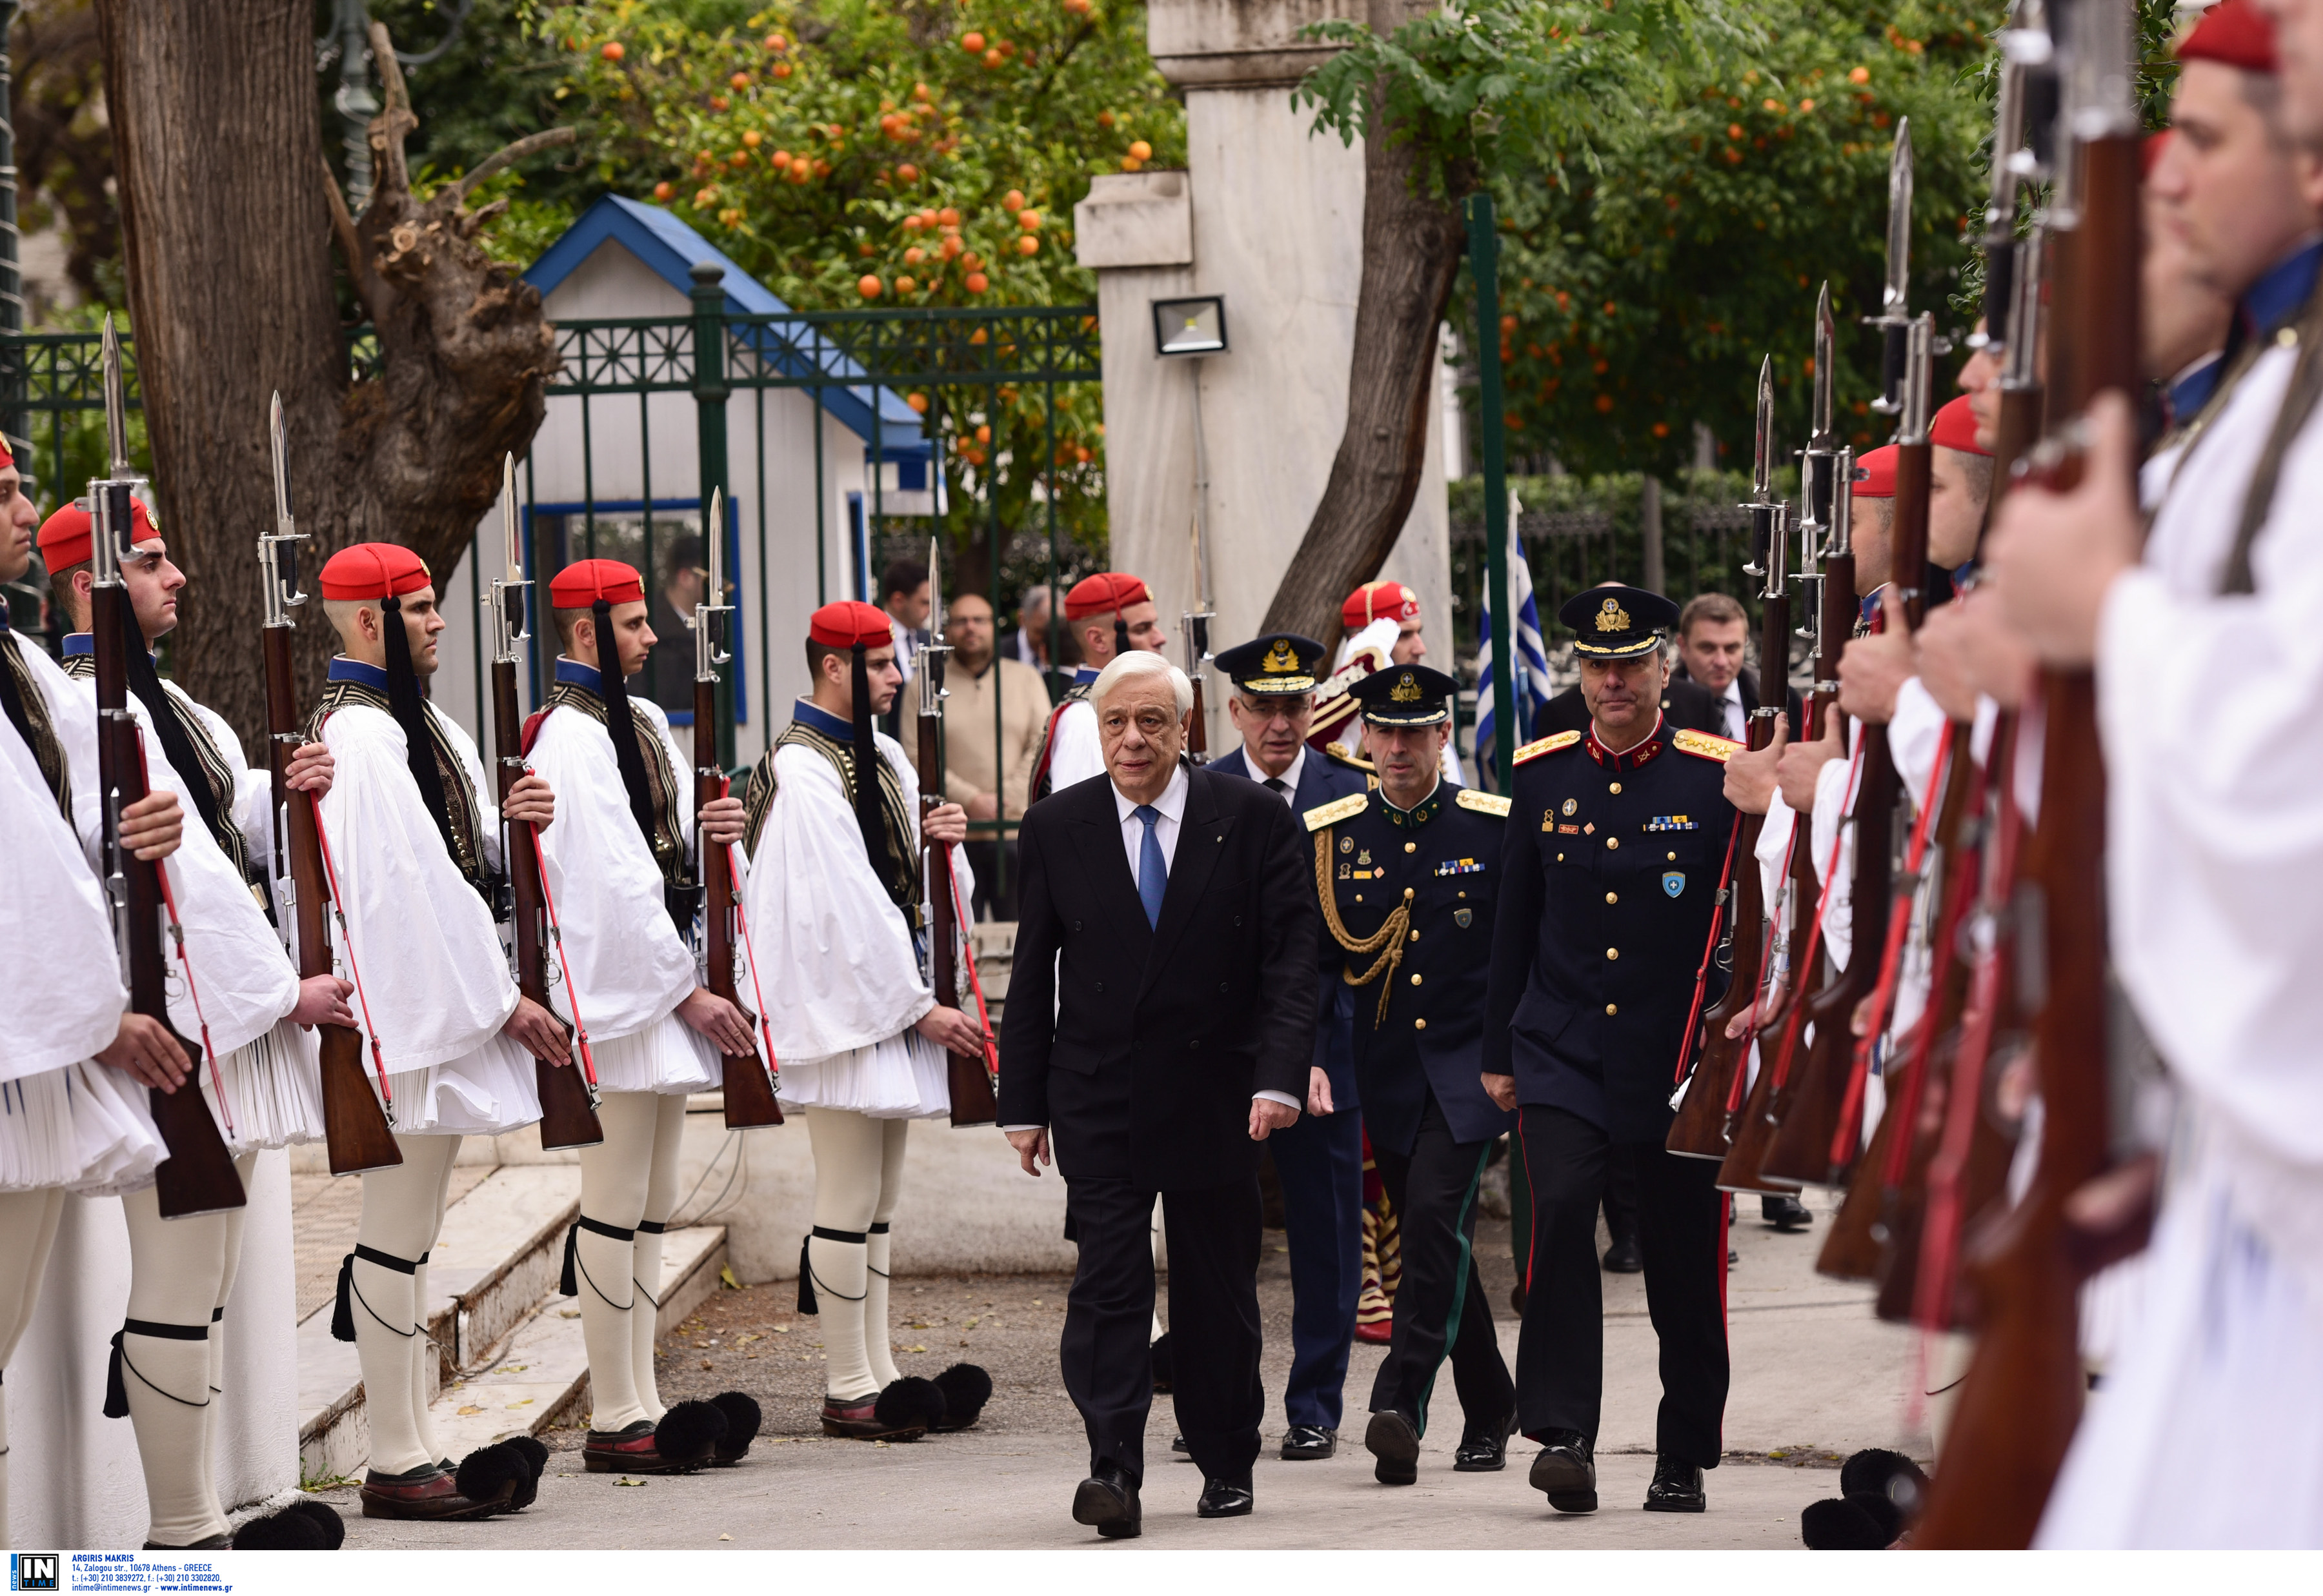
(511, 545)
(116, 405)
(1826, 340)
(278, 433)
(1898, 293)
(935, 593)
(1762, 458)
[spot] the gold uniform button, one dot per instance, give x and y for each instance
(1613, 1009)
(1616, 787)
(1560, 858)
(1411, 847)
(1612, 953)
(1415, 936)
(1613, 897)
(1414, 980)
(1616, 842)
(1420, 1024)
(1673, 855)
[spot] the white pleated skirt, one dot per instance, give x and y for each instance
(668, 1057)
(273, 1091)
(84, 1127)
(478, 1094)
(901, 1078)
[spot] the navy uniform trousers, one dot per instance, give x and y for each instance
(1320, 1163)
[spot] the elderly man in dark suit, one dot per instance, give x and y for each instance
(1319, 1160)
(1159, 1028)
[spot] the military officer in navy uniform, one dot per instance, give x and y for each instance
(1319, 1160)
(1412, 869)
(1619, 843)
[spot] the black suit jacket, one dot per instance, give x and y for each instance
(1141, 1046)
(1687, 706)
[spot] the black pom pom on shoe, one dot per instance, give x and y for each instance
(536, 1459)
(742, 1421)
(966, 1388)
(688, 1433)
(289, 1530)
(1878, 1472)
(326, 1519)
(910, 1403)
(1845, 1524)
(495, 1474)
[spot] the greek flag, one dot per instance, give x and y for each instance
(1532, 687)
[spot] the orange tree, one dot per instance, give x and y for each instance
(1640, 293)
(866, 153)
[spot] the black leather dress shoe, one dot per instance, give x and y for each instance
(1487, 1453)
(1785, 1213)
(1107, 1501)
(1178, 1444)
(1676, 1488)
(1305, 1443)
(1623, 1258)
(1393, 1438)
(1564, 1473)
(1225, 1498)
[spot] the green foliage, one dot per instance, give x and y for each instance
(1638, 298)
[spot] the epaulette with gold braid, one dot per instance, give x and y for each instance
(1336, 811)
(1703, 746)
(1347, 756)
(1482, 802)
(1548, 745)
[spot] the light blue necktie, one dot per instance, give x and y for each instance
(1152, 869)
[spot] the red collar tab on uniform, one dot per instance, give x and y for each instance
(1630, 758)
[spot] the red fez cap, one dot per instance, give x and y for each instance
(65, 539)
(2234, 33)
(7, 459)
(584, 582)
(2149, 153)
(850, 621)
(1875, 473)
(374, 571)
(1954, 427)
(1379, 601)
(1105, 592)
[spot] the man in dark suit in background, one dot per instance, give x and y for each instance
(1320, 1159)
(1161, 1028)
(1712, 634)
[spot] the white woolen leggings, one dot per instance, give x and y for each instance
(28, 1229)
(858, 1176)
(629, 1179)
(402, 1212)
(180, 1273)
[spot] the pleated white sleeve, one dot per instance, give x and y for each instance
(72, 713)
(627, 964)
(430, 961)
(837, 969)
(57, 938)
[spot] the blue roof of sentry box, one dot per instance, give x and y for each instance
(670, 250)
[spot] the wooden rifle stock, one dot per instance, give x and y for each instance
(198, 1176)
(567, 1119)
(354, 1126)
(2021, 1399)
(745, 1078)
(967, 1077)
(1198, 731)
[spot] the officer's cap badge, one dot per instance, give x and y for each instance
(1612, 618)
(1281, 659)
(1407, 688)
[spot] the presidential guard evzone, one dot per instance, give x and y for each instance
(1384, 616)
(1319, 1162)
(415, 844)
(1617, 852)
(261, 1081)
(838, 915)
(1159, 1027)
(619, 868)
(1109, 613)
(75, 1065)
(1408, 875)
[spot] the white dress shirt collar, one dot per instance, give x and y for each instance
(1289, 778)
(1172, 805)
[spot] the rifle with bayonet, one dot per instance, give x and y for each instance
(198, 1176)
(968, 1076)
(1195, 625)
(568, 1091)
(746, 1081)
(358, 1127)
(2021, 1399)
(1700, 1129)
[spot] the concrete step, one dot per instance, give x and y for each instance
(492, 1268)
(540, 1378)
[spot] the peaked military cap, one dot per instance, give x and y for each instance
(1406, 695)
(1278, 664)
(1617, 622)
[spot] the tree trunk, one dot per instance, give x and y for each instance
(229, 213)
(1411, 248)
